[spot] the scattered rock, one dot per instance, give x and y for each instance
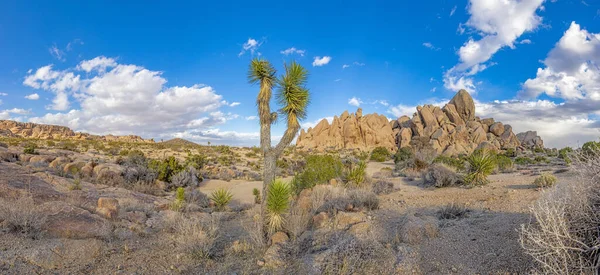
(108, 208)
(320, 219)
(279, 237)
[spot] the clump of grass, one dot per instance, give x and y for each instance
(256, 194)
(196, 237)
(76, 184)
(278, 202)
(380, 154)
(452, 211)
(540, 159)
(179, 201)
(22, 216)
(456, 163)
(481, 164)
(523, 161)
(545, 180)
(355, 175)
(221, 197)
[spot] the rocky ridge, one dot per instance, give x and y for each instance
(451, 130)
(11, 128)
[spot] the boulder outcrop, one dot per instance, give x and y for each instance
(9, 128)
(530, 139)
(349, 131)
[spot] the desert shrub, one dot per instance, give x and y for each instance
(319, 169)
(538, 150)
(76, 184)
(355, 174)
(440, 175)
(195, 196)
(452, 211)
(165, 168)
(523, 161)
(590, 147)
(563, 237)
(481, 164)
(22, 216)
(50, 143)
(278, 202)
(68, 145)
(197, 237)
(297, 220)
(504, 163)
(196, 161)
(179, 201)
(351, 255)
(3, 145)
(564, 154)
(382, 186)
(221, 198)
(510, 152)
(185, 178)
(336, 199)
(404, 154)
(380, 154)
(29, 148)
(256, 194)
(540, 159)
(545, 180)
(139, 174)
(455, 163)
(551, 152)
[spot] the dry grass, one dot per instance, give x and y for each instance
(196, 236)
(22, 216)
(332, 199)
(564, 237)
(355, 256)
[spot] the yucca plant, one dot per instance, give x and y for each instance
(179, 199)
(481, 164)
(293, 98)
(221, 197)
(356, 174)
(278, 203)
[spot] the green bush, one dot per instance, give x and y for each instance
(590, 147)
(404, 154)
(30, 148)
(481, 164)
(221, 198)
(380, 154)
(539, 159)
(256, 194)
(166, 168)
(545, 180)
(523, 161)
(76, 184)
(319, 169)
(179, 199)
(538, 150)
(195, 160)
(564, 154)
(510, 152)
(355, 175)
(505, 164)
(278, 202)
(50, 143)
(456, 163)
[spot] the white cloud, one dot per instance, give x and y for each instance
(57, 53)
(321, 61)
(251, 118)
(338, 80)
(500, 24)
(6, 114)
(430, 46)
(345, 66)
(354, 101)
(251, 45)
(3, 94)
(453, 11)
(233, 104)
(571, 69)
(312, 124)
(433, 89)
(355, 63)
(125, 99)
(525, 41)
(32, 97)
(293, 50)
(381, 102)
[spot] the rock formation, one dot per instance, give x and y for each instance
(9, 128)
(349, 131)
(530, 139)
(451, 130)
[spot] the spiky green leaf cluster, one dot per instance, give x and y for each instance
(221, 197)
(481, 164)
(293, 94)
(278, 203)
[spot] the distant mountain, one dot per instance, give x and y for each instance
(179, 142)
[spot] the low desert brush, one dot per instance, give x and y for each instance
(221, 198)
(179, 199)
(356, 174)
(481, 164)
(380, 154)
(278, 203)
(452, 211)
(545, 180)
(256, 194)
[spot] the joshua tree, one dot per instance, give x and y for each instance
(292, 97)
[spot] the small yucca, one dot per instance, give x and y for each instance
(481, 164)
(278, 202)
(256, 194)
(221, 197)
(179, 199)
(356, 174)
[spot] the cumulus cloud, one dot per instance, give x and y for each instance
(126, 99)
(321, 61)
(354, 101)
(312, 124)
(571, 68)
(430, 46)
(33, 96)
(500, 24)
(293, 50)
(233, 104)
(345, 66)
(250, 46)
(7, 114)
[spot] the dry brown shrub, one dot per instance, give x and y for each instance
(22, 215)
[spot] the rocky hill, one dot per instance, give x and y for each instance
(451, 130)
(349, 131)
(11, 128)
(179, 142)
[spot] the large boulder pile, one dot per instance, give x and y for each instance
(530, 140)
(453, 129)
(9, 128)
(349, 131)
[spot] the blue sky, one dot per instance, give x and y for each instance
(164, 70)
